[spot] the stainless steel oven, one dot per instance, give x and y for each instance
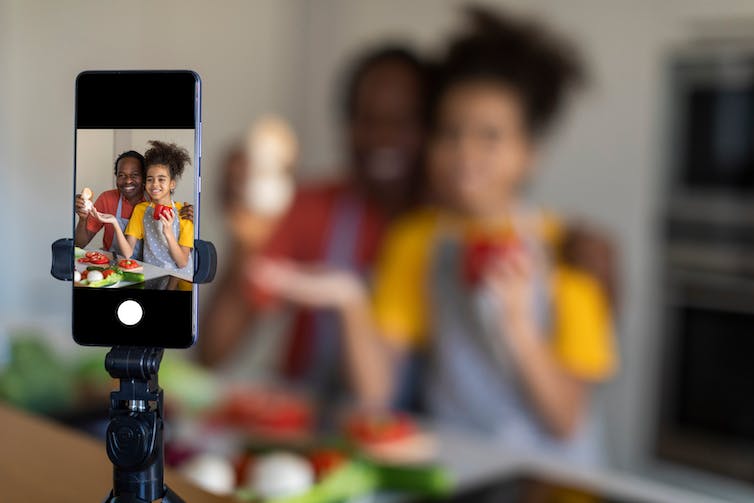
(707, 393)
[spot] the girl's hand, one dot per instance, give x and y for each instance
(105, 218)
(167, 218)
(511, 280)
(309, 287)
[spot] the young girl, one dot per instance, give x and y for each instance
(514, 339)
(167, 238)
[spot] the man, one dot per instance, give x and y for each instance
(333, 226)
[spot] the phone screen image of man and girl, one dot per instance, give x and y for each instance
(134, 212)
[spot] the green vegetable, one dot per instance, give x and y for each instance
(429, 481)
(359, 478)
(133, 277)
(35, 378)
(79, 252)
(95, 268)
(110, 280)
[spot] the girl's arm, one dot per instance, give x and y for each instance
(179, 253)
(126, 244)
(559, 397)
(370, 359)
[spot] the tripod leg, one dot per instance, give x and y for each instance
(171, 497)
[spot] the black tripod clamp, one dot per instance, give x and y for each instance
(205, 260)
(135, 433)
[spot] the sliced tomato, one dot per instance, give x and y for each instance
(107, 272)
(91, 254)
(100, 259)
(326, 460)
(371, 429)
(128, 264)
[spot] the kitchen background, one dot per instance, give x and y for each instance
(612, 160)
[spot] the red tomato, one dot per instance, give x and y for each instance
(107, 272)
(162, 209)
(326, 460)
(128, 264)
(83, 275)
(99, 259)
(480, 252)
(266, 410)
(380, 428)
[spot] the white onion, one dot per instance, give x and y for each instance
(280, 475)
(210, 472)
(94, 275)
(76, 276)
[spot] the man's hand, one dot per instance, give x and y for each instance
(80, 207)
(186, 212)
(310, 287)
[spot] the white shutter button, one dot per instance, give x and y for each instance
(130, 312)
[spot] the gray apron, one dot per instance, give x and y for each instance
(471, 382)
(325, 370)
(123, 222)
(156, 250)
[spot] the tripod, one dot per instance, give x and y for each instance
(135, 433)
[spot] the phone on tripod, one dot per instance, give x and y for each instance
(136, 200)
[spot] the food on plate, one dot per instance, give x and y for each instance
(76, 276)
(95, 275)
(326, 460)
(133, 277)
(281, 475)
(211, 472)
(391, 437)
(94, 257)
(127, 263)
(79, 252)
(270, 412)
(376, 428)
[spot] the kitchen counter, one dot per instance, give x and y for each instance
(42, 462)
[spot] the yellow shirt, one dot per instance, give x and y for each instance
(135, 225)
(582, 338)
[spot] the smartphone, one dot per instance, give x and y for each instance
(136, 202)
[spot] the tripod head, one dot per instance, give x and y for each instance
(135, 433)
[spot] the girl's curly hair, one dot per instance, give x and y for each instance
(519, 54)
(167, 154)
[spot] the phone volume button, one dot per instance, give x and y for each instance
(199, 136)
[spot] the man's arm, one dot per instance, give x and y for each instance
(228, 314)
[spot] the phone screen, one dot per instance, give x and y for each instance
(136, 208)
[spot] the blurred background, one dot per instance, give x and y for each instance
(657, 152)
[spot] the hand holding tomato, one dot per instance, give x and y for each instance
(512, 281)
(167, 217)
